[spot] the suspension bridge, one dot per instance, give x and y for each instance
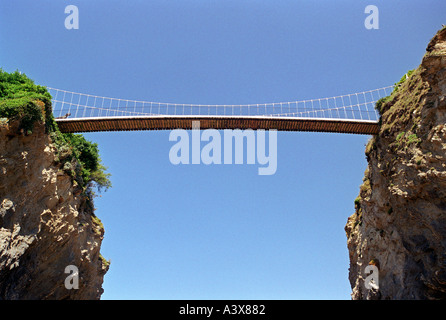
(351, 113)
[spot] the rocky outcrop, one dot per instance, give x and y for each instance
(46, 223)
(399, 224)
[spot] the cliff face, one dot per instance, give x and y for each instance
(399, 224)
(46, 223)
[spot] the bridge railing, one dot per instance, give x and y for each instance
(355, 106)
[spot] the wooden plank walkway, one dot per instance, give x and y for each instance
(170, 122)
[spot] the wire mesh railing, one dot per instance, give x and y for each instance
(355, 106)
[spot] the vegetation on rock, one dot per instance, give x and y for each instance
(23, 101)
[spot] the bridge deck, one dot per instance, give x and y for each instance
(169, 122)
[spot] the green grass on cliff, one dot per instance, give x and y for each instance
(23, 101)
(381, 102)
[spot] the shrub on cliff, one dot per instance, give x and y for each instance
(26, 102)
(87, 153)
(22, 100)
(380, 104)
(403, 79)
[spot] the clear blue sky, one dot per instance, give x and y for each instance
(222, 231)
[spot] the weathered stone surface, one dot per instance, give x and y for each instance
(45, 224)
(400, 216)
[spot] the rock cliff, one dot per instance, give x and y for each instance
(46, 223)
(399, 224)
